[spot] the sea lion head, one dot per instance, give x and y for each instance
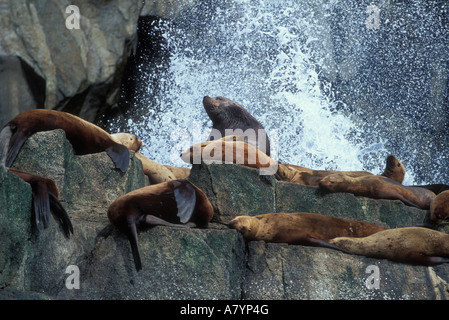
(439, 208)
(221, 110)
(246, 225)
(128, 140)
(394, 169)
(334, 182)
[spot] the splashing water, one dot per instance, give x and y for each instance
(257, 53)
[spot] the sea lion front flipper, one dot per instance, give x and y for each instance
(155, 221)
(60, 215)
(185, 197)
(120, 155)
(16, 141)
(5, 137)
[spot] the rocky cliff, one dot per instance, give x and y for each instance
(211, 263)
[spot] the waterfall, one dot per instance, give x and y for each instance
(266, 56)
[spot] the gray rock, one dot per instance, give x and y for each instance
(179, 263)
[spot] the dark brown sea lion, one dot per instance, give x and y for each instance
(229, 115)
(439, 209)
(300, 228)
(310, 177)
(411, 245)
(173, 203)
(378, 187)
(227, 150)
(45, 200)
(84, 136)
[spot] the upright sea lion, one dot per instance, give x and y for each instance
(228, 150)
(173, 203)
(411, 245)
(45, 200)
(439, 208)
(394, 169)
(378, 187)
(227, 116)
(84, 136)
(300, 228)
(310, 177)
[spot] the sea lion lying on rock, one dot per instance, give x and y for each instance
(300, 228)
(378, 187)
(411, 245)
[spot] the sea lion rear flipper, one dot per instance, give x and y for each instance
(321, 243)
(185, 197)
(155, 221)
(132, 237)
(41, 205)
(60, 215)
(120, 155)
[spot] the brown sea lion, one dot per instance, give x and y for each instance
(226, 150)
(45, 200)
(230, 118)
(297, 174)
(378, 187)
(155, 171)
(411, 245)
(173, 203)
(84, 136)
(439, 208)
(300, 228)
(129, 140)
(179, 172)
(394, 169)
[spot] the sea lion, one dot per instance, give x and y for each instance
(435, 188)
(129, 140)
(394, 169)
(439, 208)
(229, 118)
(310, 177)
(155, 172)
(228, 150)
(173, 203)
(300, 228)
(179, 172)
(45, 200)
(84, 136)
(378, 187)
(414, 245)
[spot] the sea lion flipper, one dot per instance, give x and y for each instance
(185, 197)
(132, 237)
(41, 205)
(155, 221)
(5, 137)
(321, 243)
(16, 141)
(60, 215)
(120, 155)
